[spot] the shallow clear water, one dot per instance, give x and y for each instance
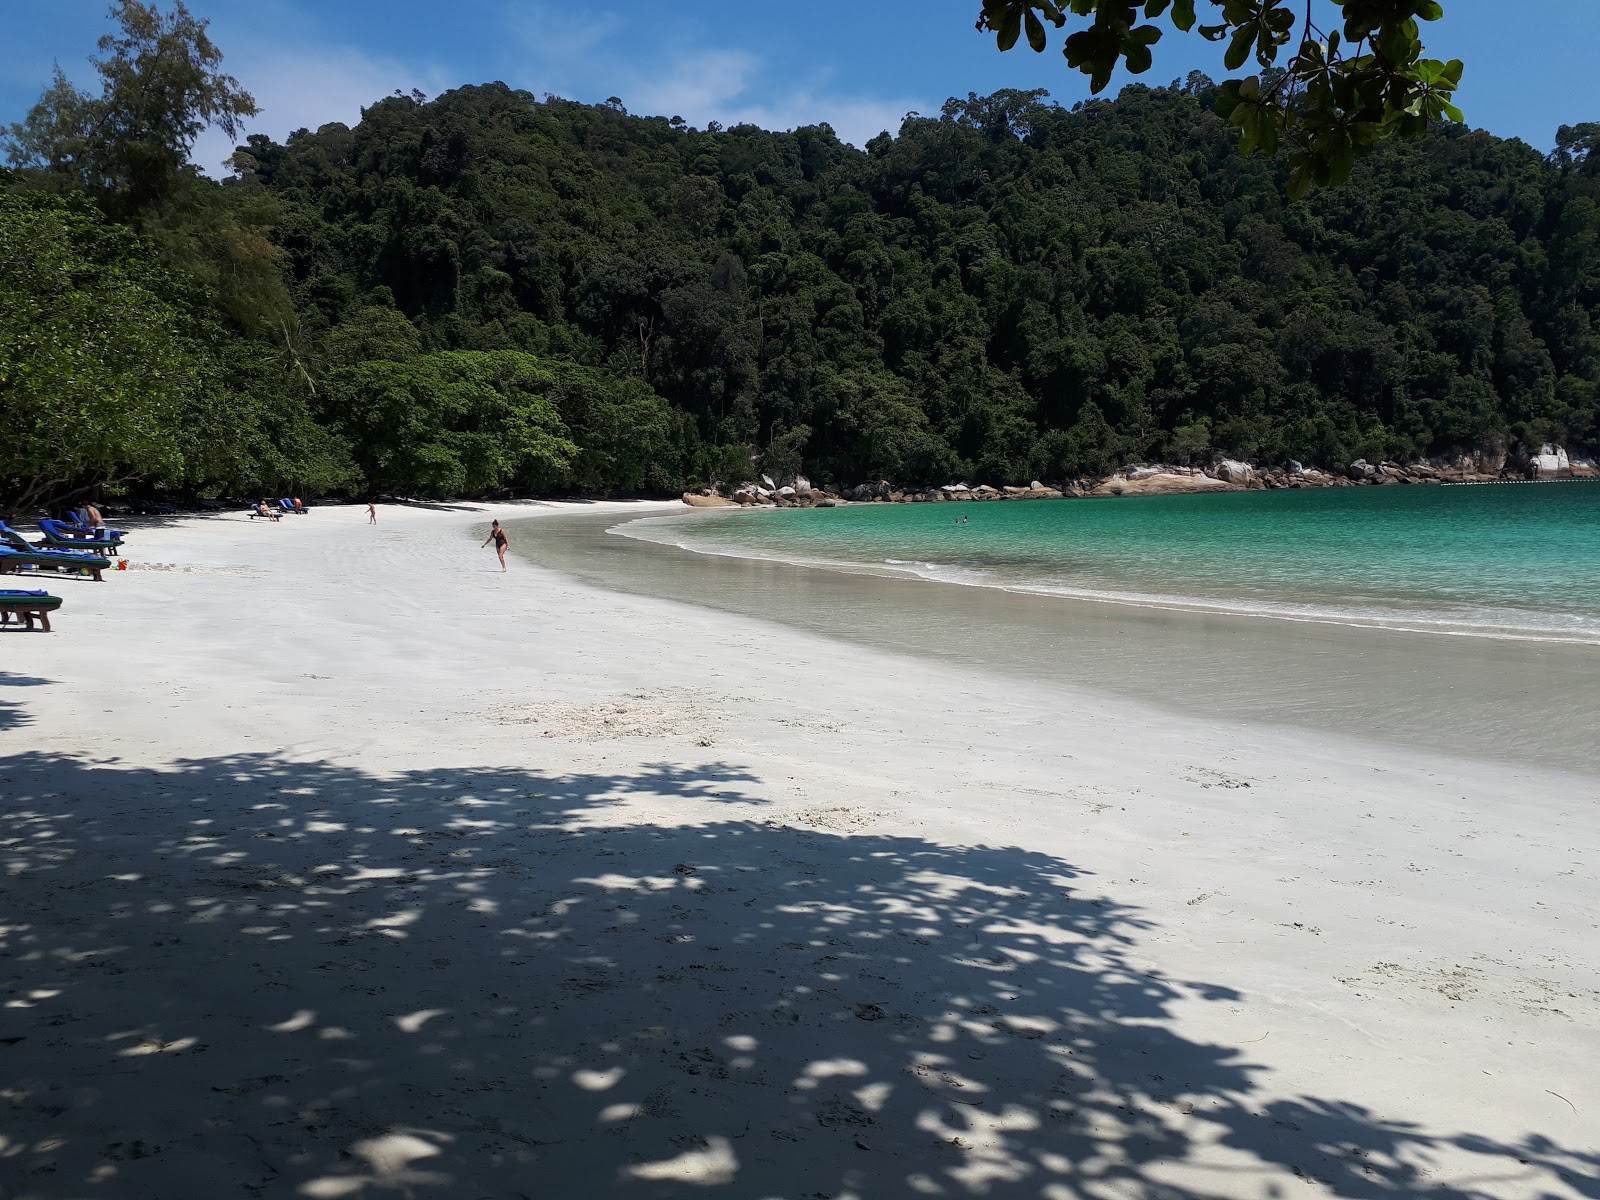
(1501, 561)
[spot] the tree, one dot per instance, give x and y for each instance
(1340, 91)
(161, 87)
(629, 439)
(113, 370)
(254, 432)
(95, 364)
(452, 422)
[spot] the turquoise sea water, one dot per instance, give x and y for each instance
(1502, 561)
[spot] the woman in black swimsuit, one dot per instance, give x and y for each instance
(498, 537)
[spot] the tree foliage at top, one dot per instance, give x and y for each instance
(491, 291)
(161, 86)
(1006, 291)
(1344, 87)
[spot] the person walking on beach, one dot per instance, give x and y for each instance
(498, 537)
(372, 513)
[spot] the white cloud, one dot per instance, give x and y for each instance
(855, 121)
(679, 75)
(703, 82)
(727, 86)
(556, 35)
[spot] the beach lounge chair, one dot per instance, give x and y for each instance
(58, 536)
(288, 506)
(27, 607)
(64, 562)
(16, 541)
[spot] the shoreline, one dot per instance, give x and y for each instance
(1174, 604)
(1409, 690)
(339, 862)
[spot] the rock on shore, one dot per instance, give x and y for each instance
(1156, 479)
(1152, 481)
(1553, 462)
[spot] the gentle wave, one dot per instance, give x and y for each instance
(1498, 625)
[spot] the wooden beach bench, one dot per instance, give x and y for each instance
(15, 562)
(27, 607)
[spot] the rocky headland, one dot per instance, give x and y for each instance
(1158, 479)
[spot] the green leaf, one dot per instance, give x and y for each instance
(1035, 32)
(1010, 28)
(1249, 134)
(1238, 49)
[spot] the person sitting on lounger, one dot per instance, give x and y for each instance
(263, 509)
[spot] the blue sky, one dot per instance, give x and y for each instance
(858, 65)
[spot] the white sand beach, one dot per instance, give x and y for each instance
(337, 863)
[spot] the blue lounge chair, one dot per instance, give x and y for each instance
(288, 506)
(15, 545)
(27, 607)
(10, 537)
(58, 536)
(67, 562)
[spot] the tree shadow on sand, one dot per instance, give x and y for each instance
(244, 976)
(13, 715)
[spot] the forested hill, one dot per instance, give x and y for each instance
(489, 291)
(1011, 290)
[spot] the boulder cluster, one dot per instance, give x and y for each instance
(1148, 479)
(798, 492)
